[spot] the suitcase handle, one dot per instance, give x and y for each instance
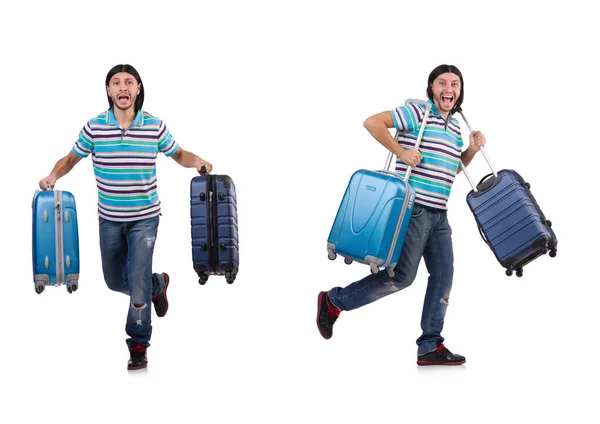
(427, 105)
(203, 170)
(48, 186)
(487, 159)
(484, 178)
(483, 236)
(489, 185)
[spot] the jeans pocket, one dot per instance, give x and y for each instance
(417, 211)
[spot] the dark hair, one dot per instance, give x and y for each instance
(442, 69)
(139, 101)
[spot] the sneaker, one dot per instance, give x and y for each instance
(327, 314)
(161, 304)
(440, 356)
(138, 358)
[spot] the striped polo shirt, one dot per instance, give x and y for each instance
(125, 163)
(441, 147)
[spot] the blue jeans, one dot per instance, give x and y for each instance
(127, 249)
(429, 236)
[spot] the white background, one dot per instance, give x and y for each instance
(274, 94)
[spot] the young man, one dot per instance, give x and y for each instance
(429, 235)
(124, 142)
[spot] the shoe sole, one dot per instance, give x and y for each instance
(139, 367)
(320, 299)
(422, 363)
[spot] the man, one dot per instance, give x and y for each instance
(429, 234)
(124, 142)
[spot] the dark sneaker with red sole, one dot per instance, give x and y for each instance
(138, 359)
(161, 304)
(441, 356)
(327, 314)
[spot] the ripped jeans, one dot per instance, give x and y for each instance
(127, 249)
(429, 236)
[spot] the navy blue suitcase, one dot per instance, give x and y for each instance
(213, 210)
(509, 219)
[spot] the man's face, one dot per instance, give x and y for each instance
(123, 89)
(446, 89)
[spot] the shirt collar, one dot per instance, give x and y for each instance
(433, 108)
(138, 121)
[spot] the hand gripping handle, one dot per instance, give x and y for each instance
(427, 105)
(487, 159)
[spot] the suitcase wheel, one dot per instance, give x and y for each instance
(72, 287)
(509, 272)
(39, 287)
(229, 277)
(374, 269)
(552, 253)
(527, 186)
(347, 261)
(520, 272)
(549, 223)
(203, 279)
(331, 255)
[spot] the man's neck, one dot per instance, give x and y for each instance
(441, 112)
(124, 117)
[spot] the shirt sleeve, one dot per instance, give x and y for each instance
(407, 118)
(85, 143)
(166, 142)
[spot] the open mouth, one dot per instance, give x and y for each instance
(123, 97)
(447, 100)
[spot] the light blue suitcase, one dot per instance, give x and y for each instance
(55, 241)
(373, 217)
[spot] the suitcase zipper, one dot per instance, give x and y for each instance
(408, 198)
(212, 218)
(59, 237)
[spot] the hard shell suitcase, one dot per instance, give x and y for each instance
(509, 219)
(55, 241)
(373, 218)
(213, 209)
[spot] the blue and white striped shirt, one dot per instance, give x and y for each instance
(125, 163)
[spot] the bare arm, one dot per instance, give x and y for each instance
(190, 160)
(62, 168)
(476, 141)
(378, 125)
